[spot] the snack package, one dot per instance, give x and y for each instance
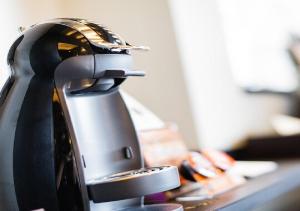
(219, 159)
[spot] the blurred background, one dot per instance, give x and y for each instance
(222, 70)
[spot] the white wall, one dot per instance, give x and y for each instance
(257, 44)
(15, 13)
(223, 112)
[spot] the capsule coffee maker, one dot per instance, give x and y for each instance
(67, 141)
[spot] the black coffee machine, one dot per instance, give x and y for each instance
(67, 141)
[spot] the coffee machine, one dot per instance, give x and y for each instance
(67, 141)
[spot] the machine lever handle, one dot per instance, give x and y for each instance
(107, 80)
(139, 73)
(120, 73)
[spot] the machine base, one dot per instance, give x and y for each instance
(156, 207)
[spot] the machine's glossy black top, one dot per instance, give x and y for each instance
(47, 44)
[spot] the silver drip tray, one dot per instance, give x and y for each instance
(132, 184)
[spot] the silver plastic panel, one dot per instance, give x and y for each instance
(101, 135)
